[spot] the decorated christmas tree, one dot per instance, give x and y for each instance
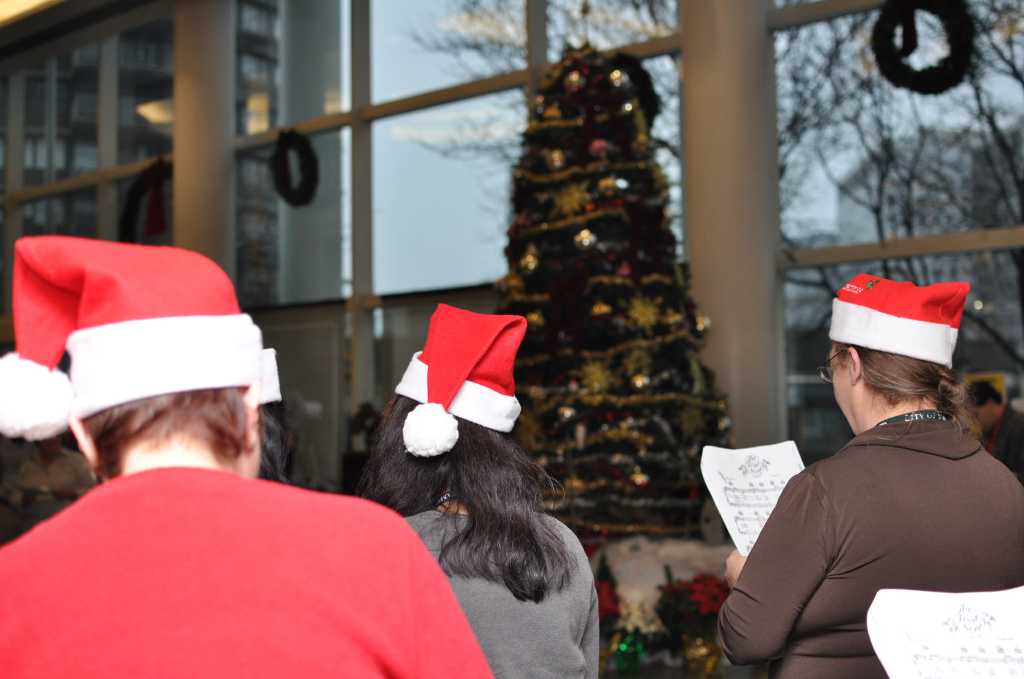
(616, 404)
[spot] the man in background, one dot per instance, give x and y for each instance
(1002, 427)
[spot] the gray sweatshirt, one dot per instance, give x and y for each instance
(555, 639)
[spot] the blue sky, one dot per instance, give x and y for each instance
(438, 221)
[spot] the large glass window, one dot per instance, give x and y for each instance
(70, 214)
(60, 111)
(290, 62)
(607, 24)
(441, 202)
(667, 135)
(259, 47)
(862, 160)
(420, 46)
(146, 224)
(291, 254)
(145, 84)
(3, 134)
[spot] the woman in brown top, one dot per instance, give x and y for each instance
(913, 501)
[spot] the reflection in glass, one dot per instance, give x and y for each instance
(608, 23)
(145, 84)
(861, 160)
(665, 73)
(420, 46)
(60, 116)
(441, 182)
(149, 229)
(289, 62)
(69, 214)
(286, 254)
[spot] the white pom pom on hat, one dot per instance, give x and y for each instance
(137, 321)
(270, 380)
(466, 370)
(35, 402)
(430, 430)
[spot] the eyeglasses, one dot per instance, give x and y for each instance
(825, 371)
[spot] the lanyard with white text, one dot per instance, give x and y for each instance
(916, 416)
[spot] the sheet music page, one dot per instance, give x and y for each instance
(932, 635)
(746, 483)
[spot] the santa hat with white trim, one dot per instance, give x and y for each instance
(899, 317)
(137, 321)
(466, 369)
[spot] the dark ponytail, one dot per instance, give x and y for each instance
(954, 398)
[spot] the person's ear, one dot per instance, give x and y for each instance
(253, 423)
(85, 443)
(854, 365)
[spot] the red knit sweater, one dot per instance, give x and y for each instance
(194, 573)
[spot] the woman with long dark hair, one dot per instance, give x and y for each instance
(912, 502)
(443, 459)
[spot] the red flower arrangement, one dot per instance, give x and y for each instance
(690, 607)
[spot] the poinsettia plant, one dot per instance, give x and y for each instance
(690, 607)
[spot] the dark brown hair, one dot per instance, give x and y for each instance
(506, 538)
(213, 418)
(901, 379)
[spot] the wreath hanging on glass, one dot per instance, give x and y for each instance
(891, 59)
(300, 194)
(150, 181)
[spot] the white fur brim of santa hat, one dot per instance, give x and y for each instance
(270, 384)
(123, 362)
(873, 329)
(473, 402)
(137, 322)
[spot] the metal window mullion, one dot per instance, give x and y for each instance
(360, 314)
(107, 126)
(50, 115)
(13, 178)
(536, 43)
(974, 240)
(89, 34)
(368, 112)
(680, 65)
(794, 16)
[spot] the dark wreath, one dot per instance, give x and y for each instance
(309, 168)
(948, 73)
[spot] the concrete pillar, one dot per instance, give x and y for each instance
(204, 125)
(732, 206)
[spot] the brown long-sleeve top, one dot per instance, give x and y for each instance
(913, 506)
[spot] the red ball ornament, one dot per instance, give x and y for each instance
(599, 148)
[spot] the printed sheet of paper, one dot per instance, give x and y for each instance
(931, 635)
(746, 483)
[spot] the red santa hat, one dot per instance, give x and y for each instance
(900, 317)
(465, 370)
(137, 321)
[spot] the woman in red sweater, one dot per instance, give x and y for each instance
(181, 564)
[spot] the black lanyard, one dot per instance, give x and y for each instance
(916, 416)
